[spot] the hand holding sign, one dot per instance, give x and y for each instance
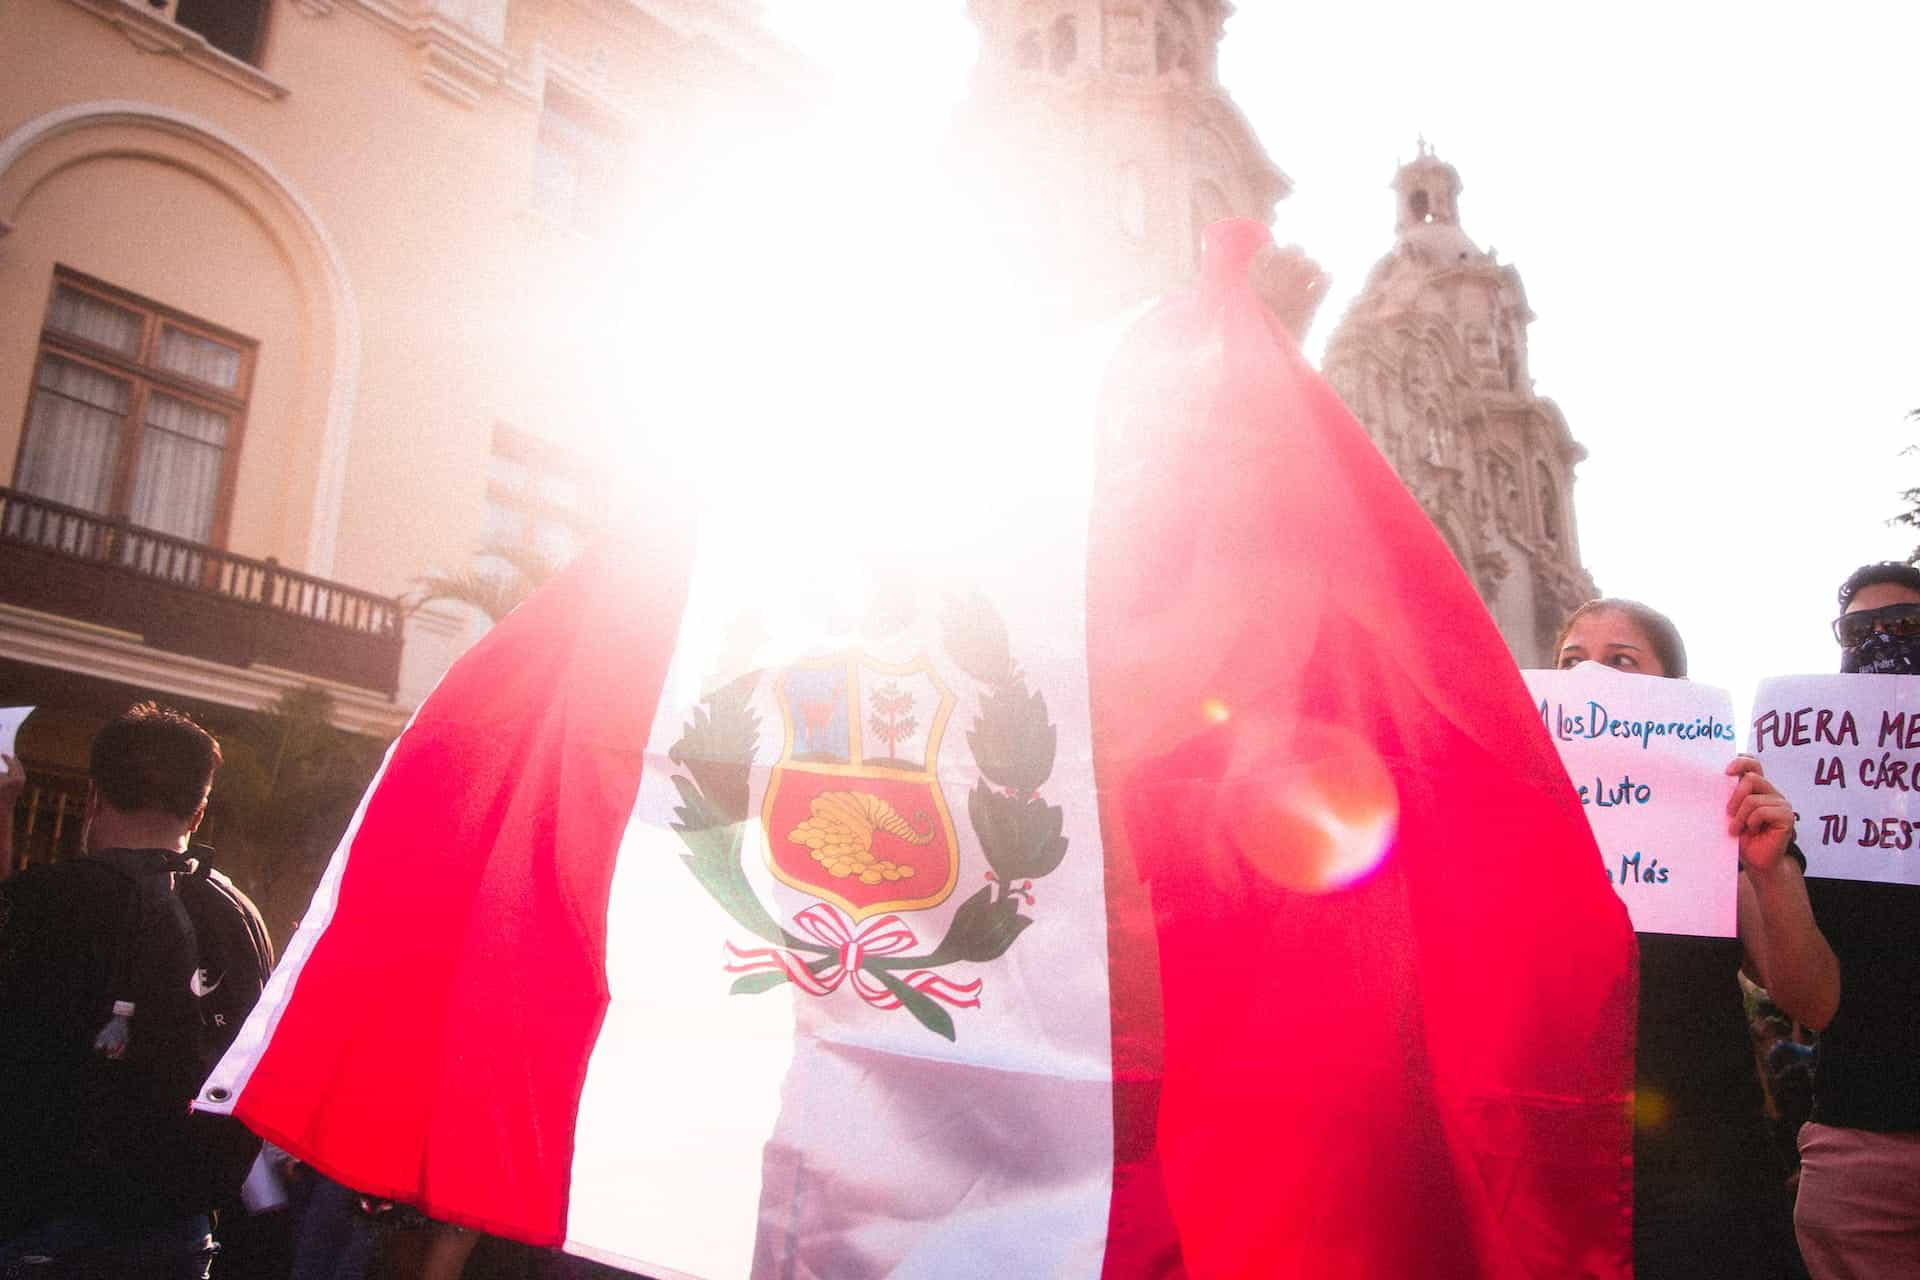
(1846, 749)
(1758, 815)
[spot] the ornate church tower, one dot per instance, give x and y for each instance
(1432, 358)
(1110, 144)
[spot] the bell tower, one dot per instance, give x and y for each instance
(1111, 144)
(1429, 191)
(1432, 358)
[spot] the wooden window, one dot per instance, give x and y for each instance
(578, 154)
(540, 497)
(235, 27)
(136, 411)
(1549, 503)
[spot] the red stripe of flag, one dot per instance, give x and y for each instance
(1424, 1073)
(436, 1045)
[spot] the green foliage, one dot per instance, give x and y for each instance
(1012, 740)
(752, 984)
(982, 930)
(527, 562)
(1910, 498)
(977, 640)
(496, 591)
(1020, 835)
(507, 571)
(985, 926)
(892, 717)
(281, 801)
(923, 1007)
(713, 856)
(717, 747)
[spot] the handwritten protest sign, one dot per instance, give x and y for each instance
(1846, 750)
(10, 720)
(1648, 758)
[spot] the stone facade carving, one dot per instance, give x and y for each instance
(1104, 125)
(1431, 357)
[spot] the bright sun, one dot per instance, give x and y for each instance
(824, 341)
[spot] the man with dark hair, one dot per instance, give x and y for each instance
(1858, 1212)
(103, 1047)
(1879, 626)
(154, 760)
(1881, 573)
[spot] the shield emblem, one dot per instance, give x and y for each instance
(853, 810)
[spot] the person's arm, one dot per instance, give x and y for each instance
(12, 782)
(1796, 965)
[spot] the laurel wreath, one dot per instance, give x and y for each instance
(1013, 743)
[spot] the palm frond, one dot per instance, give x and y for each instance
(494, 594)
(530, 562)
(1910, 498)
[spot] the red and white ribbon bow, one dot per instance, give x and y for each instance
(887, 936)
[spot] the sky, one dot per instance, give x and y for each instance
(1712, 207)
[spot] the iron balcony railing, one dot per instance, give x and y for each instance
(190, 598)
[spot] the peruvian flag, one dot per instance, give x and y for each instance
(1153, 868)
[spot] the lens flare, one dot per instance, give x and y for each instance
(1317, 813)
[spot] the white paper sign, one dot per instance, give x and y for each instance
(1648, 757)
(1846, 750)
(10, 720)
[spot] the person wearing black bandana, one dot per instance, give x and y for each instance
(1879, 624)
(1858, 1214)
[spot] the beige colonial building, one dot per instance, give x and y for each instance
(295, 311)
(1432, 358)
(291, 320)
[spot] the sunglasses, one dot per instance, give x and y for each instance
(1901, 621)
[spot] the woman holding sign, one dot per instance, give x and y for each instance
(1710, 1195)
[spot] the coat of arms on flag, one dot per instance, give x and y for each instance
(853, 811)
(854, 816)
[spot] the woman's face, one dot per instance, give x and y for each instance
(1610, 637)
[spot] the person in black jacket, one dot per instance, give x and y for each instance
(104, 1047)
(1858, 1214)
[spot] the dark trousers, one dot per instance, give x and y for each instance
(90, 1249)
(1710, 1202)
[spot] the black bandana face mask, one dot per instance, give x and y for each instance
(1883, 655)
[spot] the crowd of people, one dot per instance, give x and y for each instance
(108, 963)
(1712, 1196)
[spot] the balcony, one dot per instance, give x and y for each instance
(188, 598)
